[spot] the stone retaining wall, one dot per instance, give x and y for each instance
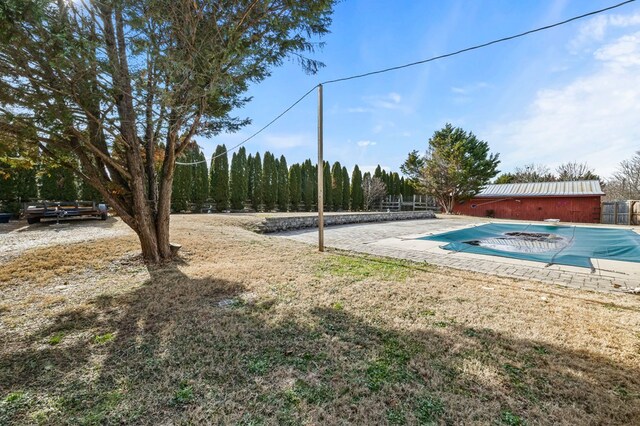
(278, 224)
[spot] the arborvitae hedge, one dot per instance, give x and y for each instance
(220, 178)
(283, 184)
(269, 181)
(346, 189)
(58, 184)
(309, 185)
(336, 186)
(238, 185)
(257, 186)
(295, 187)
(17, 184)
(326, 187)
(200, 179)
(357, 197)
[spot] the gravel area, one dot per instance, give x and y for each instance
(16, 237)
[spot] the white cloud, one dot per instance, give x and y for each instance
(593, 119)
(596, 28)
(358, 110)
(392, 101)
(288, 141)
(469, 88)
(365, 143)
(624, 52)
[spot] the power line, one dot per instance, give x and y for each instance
(254, 134)
(479, 46)
(424, 61)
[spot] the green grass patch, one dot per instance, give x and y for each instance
(390, 367)
(366, 267)
(511, 419)
(396, 416)
(101, 339)
(56, 338)
(184, 394)
(428, 410)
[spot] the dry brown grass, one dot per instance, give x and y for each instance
(41, 264)
(252, 329)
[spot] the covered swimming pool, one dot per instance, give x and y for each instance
(562, 245)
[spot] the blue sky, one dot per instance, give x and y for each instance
(567, 94)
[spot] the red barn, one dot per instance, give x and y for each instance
(577, 201)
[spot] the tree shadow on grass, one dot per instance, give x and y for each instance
(189, 350)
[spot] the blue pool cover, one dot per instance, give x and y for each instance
(563, 245)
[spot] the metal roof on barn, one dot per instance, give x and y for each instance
(580, 188)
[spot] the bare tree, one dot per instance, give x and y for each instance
(575, 171)
(532, 172)
(373, 189)
(625, 182)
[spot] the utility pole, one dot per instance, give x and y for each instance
(320, 175)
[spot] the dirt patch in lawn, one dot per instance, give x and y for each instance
(250, 329)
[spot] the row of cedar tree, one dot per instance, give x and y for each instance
(268, 183)
(255, 182)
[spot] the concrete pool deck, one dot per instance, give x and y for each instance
(398, 240)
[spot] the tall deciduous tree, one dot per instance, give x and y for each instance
(98, 85)
(532, 172)
(625, 182)
(573, 170)
(373, 190)
(456, 166)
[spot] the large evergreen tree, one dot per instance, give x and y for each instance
(456, 167)
(220, 178)
(107, 81)
(336, 185)
(357, 198)
(283, 184)
(199, 179)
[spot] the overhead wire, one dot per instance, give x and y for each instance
(256, 133)
(411, 64)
